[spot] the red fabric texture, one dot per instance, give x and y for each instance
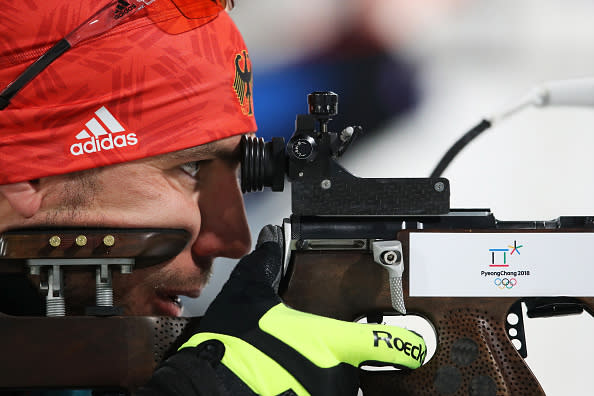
(165, 92)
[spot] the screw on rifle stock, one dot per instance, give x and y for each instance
(81, 240)
(109, 240)
(390, 257)
(55, 241)
(439, 186)
(326, 184)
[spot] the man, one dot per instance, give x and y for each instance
(137, 125)
(55, 146)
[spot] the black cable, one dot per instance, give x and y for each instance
(458, 146)
(32, 71)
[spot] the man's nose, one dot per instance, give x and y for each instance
(224, 230)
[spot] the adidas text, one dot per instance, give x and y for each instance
(94, 145)
(102, 132)
(123, 8)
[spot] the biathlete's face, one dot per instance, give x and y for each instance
(196, 190)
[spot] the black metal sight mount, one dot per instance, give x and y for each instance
(265, 164)
(320, 186)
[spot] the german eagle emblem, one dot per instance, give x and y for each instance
(243, 82)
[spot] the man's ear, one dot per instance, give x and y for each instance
(23, 197)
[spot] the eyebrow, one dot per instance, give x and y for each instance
(211, 149)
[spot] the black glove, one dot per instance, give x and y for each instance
(250, 343)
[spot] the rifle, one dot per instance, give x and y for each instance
(370, 247)
(351, 252)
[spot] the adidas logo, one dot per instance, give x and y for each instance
(122, 8)
(99, 138)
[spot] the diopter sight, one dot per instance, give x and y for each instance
(319, 185)
(265, 164)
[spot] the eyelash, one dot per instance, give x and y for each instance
(191, 168)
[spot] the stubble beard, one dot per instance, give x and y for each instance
(132, 292)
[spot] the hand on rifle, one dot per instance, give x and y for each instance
(250, 343)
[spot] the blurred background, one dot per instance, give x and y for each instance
(417, 75)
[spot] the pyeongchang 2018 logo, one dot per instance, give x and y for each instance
(500, 260)
(102, 132)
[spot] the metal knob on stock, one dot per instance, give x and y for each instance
(388, 254)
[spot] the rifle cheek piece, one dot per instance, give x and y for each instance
(48, 252)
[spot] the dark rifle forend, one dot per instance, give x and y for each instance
(83, 352)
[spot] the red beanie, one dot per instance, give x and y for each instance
(133, 92)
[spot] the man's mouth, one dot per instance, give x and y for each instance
(169, 303)
(177, 301)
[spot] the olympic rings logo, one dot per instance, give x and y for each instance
(505, 283)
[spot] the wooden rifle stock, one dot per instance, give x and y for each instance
(83, 352)
(474, 355)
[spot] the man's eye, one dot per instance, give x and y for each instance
(191, 168)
